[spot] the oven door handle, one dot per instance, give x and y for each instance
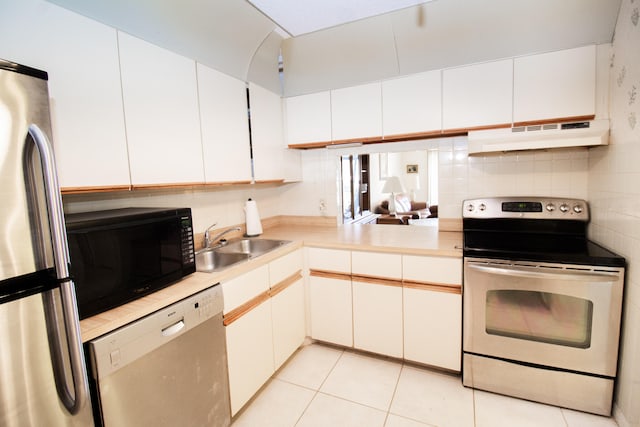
(536, 272)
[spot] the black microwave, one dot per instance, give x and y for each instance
(120, 255)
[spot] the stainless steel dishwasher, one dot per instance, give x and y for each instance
(166, 369)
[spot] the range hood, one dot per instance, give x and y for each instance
(540, 137)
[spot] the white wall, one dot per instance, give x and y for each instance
(222, 205)
(614, 193)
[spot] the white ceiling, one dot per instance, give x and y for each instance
(236, 38)
(306, 16)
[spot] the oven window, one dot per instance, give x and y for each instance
(539, 316)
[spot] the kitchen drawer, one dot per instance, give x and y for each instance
(284, 267)
(329, 260)
(432, 269)
(241, 289)
(375, 264)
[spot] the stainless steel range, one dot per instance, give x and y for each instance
(541, 303)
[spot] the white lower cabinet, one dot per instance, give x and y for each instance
(264, 314)
(287, 310)
(249, 354)
(402, 306)
(377, 318)
(433, 327)
(330, 304)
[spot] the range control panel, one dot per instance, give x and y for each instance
(526, 208)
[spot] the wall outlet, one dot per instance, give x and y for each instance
(323, 205)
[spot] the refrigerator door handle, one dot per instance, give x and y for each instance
(76, 400)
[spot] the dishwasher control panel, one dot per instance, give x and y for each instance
(127, 344)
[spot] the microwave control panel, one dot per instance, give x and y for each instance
(188, 252)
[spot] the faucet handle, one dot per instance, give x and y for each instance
(207, 240)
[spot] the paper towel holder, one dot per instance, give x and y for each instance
(252, 219)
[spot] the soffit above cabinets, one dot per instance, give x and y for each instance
(441, 34)
(235, 37)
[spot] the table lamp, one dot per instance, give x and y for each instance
(393, 186)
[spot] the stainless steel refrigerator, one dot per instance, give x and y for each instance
(43, 378)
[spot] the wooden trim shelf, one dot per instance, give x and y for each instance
(436, 287)
(329, 275)
(275, 290)
(243, 309)
(377, 280)
(411, 284)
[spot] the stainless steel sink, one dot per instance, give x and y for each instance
(212, 260)
(252, 247)
(234, 251)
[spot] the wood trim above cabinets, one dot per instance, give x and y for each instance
(88, 190)
(396, 138)
(436, 133)
(465, 131)
(168, 186)
(412, 136)
(556, 120)
(270, 181)
(165, 186)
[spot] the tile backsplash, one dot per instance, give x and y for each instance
(614, 194)
(557, 173)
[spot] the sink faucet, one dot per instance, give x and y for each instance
(208, 240)
(207, 236)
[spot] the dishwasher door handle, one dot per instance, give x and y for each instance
(173, 329)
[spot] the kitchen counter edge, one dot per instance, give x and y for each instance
(368, 239)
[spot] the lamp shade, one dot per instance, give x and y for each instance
(393, 185)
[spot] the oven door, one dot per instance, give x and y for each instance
(556, 315)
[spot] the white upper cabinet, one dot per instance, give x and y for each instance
(356, 112)
(555, 85)
(225, 126)
(308, 118)
(272, 160)
(477, 95)
(161, 112)
(412, 104)
(81, 57)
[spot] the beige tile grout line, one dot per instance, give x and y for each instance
(319, 387)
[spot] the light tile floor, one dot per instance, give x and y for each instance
(324, 386)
